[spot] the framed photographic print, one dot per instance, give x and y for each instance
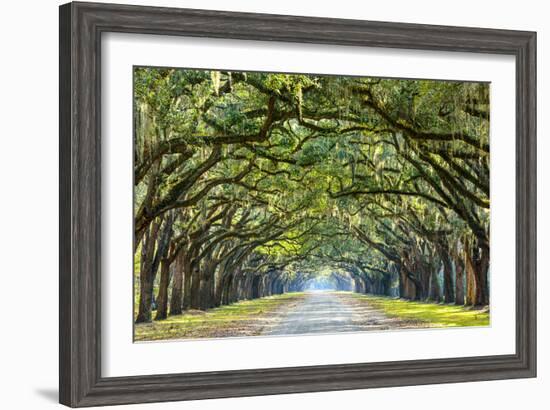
(261, 204)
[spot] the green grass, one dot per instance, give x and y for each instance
(436, 314)
(244, 318)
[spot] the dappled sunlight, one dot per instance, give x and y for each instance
(311, 312)
(435, 314)
(245, 318)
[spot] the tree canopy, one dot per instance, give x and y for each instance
(249, 184)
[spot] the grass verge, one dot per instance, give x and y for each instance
(244, 318)
(436, 314)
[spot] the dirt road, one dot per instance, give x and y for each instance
(331, 312)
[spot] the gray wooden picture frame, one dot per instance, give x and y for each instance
(80, 379)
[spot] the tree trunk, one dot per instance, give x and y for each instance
(435, 290)
(146, 274)
(402, 283)
(448, 285)
(247, 288)
(162, 299)
(226, 289)
(424, 267)
(459, 282)
(477, 266)
(222, 278)
(205, 291)
(409, 288)
(195, 296)
(255, 287)
(360, 286)
(480, 272)
(470, 276)
(207, 284)
(176, 299)
(188, 267)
